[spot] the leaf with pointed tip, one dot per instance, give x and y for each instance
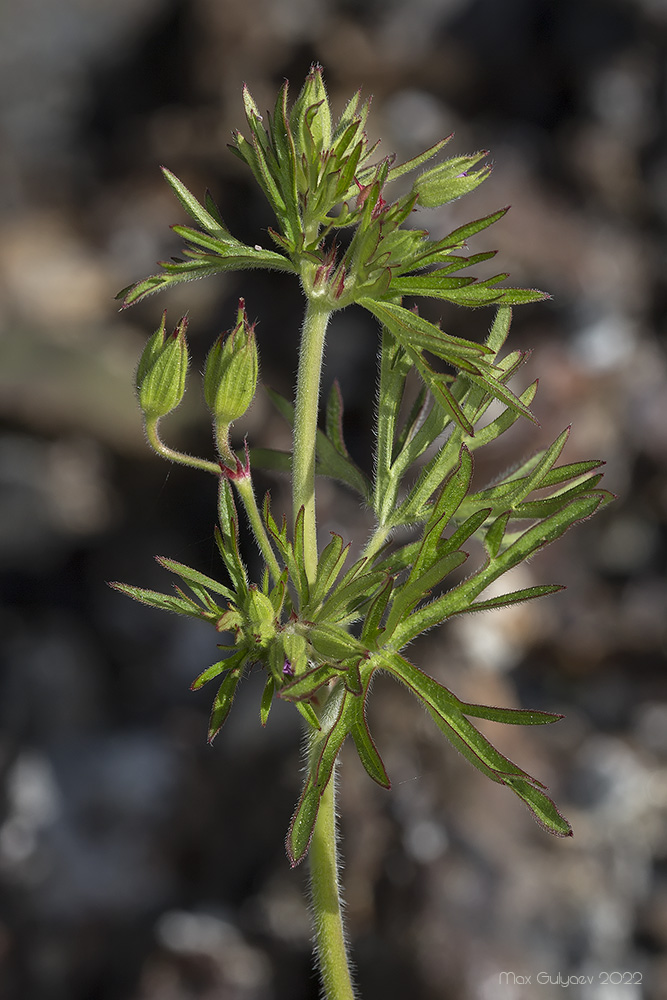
(515, 597)
(191, 575)
(495, 534)
(309, 714)
(431, 476)
(416, 161)
(363, 741)
(306, 685)
(299, 547)
(329, 566)
(230, 663)
(164, 602)
(451, 179)
(372, 626)
(267, 699)
(324, 747)
(541, 806)
(226, 538)
(418, 588)
(509, 716)
(459, 599)
(197, 211)
(448, 714)
(223, 703)
(351, 593)
(334, 419)
(228, 256)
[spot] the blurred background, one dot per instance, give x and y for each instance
(137, 863)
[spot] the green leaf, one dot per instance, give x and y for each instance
(363, 741)
(301, 579)
(226, 538)
(444, 706)
(447, 712)
(495, 534)
(515, 597)
(207, 221)
(541, 806)
(351, 593)
(306, 685)
(334, 419)
(324, 747)
(330, 564)
(335, 643)
(223, 703)
(412, 330)
(303, 821)
(509, 716)
(416, 161)
(500, 329)
(489, 432)
(308, 713)
(451, 179)
(230, 663)
(194, 576)
(228, 256)
(459, 599)
(419, 586)
(458, 237)
(372, 626)
(394, 367)
(451, 496)
(270, 459)
(164, 602)
(267, 699)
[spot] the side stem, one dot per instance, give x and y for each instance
(158, 445)
(246, 492)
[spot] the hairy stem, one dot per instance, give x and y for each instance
(305, 425)
(334, 966)
(330, 937)
(158, 445)
(246, 492)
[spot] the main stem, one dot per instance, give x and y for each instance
(305, 425)
(330, 938)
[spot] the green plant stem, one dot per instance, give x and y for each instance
(158, 445)
(376, 541)
(305, 425)
(247, 494)
(332, 954)
(330, 937)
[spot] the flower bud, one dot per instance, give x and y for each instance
(230, 376)
(160, 378)
(261, 615)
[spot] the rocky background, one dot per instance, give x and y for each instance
(136, 863)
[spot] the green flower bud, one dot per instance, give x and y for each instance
(160, 378)
(310, 118)
(261, 616)
(230, 376)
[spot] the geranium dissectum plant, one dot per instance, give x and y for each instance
(321, 621)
